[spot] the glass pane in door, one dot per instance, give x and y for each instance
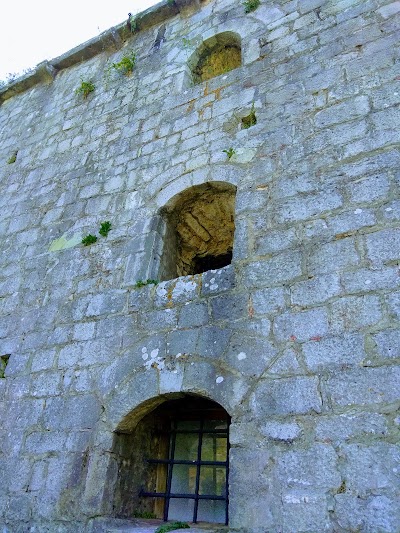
(181, 509)
(186, 446)
(211, 511)
(214, 447)
(183, 479)
(212, 480)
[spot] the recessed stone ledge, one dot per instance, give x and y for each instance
(113, 38)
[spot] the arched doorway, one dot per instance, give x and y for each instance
(174, 463)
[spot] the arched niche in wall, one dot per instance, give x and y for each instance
(173, 462)
(199, 230)
(216, 55)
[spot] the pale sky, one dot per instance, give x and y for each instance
(34, 30)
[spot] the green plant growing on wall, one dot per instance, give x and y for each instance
(143, 514)
(105, 228)
(132, 23)
(250, 120)
(3, 364)
(171, 527)
(126, 64)
(141, 283)
(85, 88)
(229, 152)
(89, 239)
(13, 158)
(251, 5)
(170, 2)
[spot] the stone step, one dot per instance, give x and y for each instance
(149, 526)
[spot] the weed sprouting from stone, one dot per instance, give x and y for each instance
(105, 228)
(85, 88)
(132, 22)
(251, 5)
(89, 239)
(126, 64)
(229, 152)
(171, 527)
(141, 283)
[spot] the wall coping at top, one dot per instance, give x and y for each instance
(113, 38)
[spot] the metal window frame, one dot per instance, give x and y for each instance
(168, 495)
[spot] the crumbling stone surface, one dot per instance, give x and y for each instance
(297, 338)
(202, 222)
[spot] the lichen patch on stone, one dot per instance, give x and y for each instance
(62, 243)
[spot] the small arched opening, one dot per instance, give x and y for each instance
(200, 225)
(173, 463)
(217, 55)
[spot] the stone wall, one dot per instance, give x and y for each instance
(298, 338)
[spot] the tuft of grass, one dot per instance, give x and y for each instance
(141, 283)
(89, 239)
(251, 5)
(13, 158)
(105, 228)
(229, 152)
(85, 88)
(126, 65)
(171, 527)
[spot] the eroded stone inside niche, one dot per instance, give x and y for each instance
(215, 56)
(222, 59)
(203, 221)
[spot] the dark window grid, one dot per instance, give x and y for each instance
(186, 462)
(223, 432)
(167, 495)
(185, 496)
(196, 491)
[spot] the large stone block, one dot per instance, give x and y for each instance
(302, 326)
(388, 344)
(268, 301)
(275, 271)
(374, 513)
(250, 355)
(367, 386)
(316, 468)
(333, 257)
(371, 469)
(337, 428)
(343, 112)
(286, 396)
(316, 290)
(334, 352)
(305, 510)
(383, 246)
(355, 312)
(303, 208)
